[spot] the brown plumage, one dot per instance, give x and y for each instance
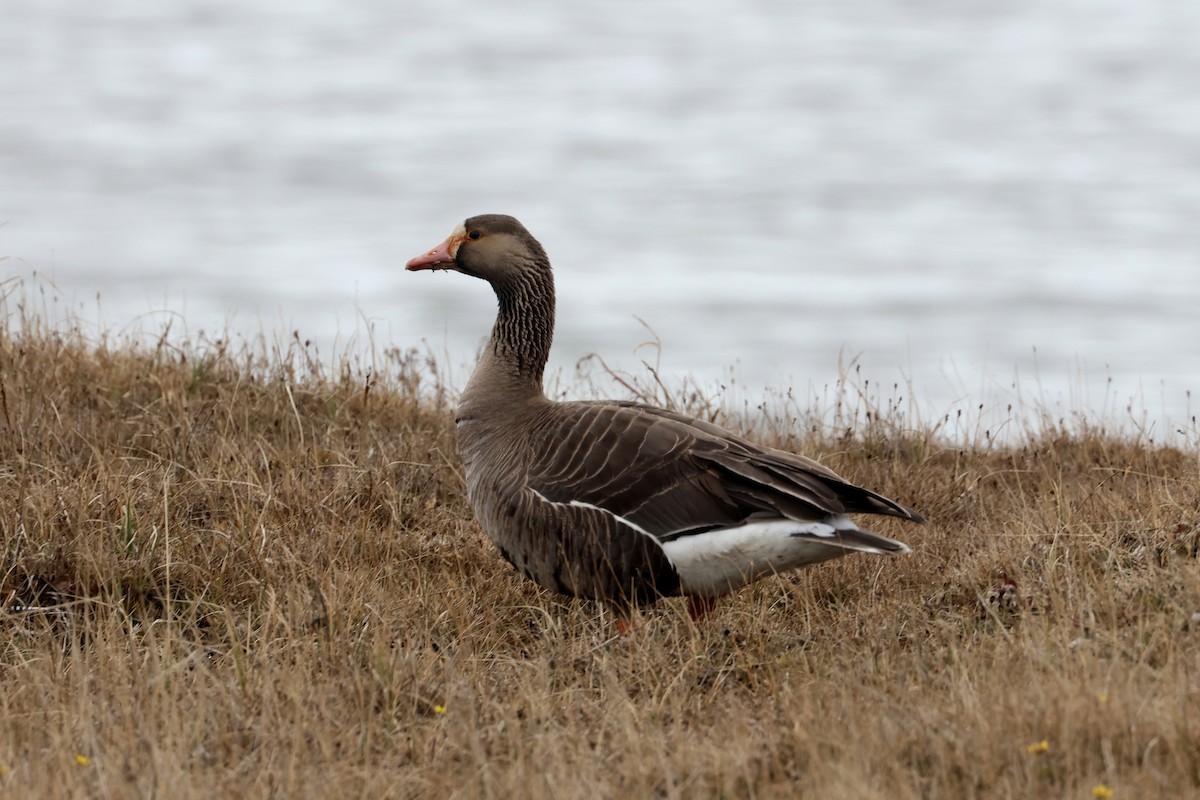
(619, 501)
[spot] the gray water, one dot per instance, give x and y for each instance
(967, 197)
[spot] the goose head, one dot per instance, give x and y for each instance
(494, 247)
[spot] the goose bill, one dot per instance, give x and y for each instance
(440, 257)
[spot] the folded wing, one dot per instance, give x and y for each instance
(675, 476)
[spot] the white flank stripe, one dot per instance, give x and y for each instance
(634, 525)
(581, 504)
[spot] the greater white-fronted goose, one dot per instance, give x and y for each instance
(619, 501)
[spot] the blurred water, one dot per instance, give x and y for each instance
(941, 187)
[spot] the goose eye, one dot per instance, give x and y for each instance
(473, 235)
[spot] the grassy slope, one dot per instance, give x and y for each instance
(227, 575)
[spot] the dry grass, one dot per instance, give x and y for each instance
(237, 574)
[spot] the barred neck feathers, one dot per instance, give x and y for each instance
(524, 325)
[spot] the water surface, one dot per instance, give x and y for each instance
(963, 196)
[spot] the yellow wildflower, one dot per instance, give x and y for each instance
(439, 709)
(82, 761)
(1037, 748)
(1102, 792)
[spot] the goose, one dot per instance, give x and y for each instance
(618, 501)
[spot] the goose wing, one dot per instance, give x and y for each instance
(672, 475)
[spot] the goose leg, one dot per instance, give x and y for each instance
(700, 607)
